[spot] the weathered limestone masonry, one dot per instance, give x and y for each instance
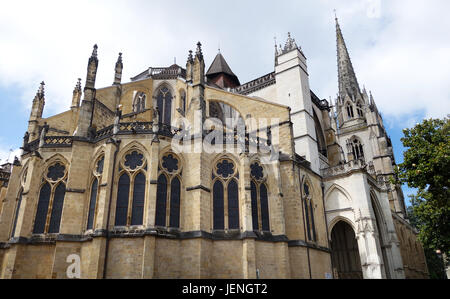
(129, 183)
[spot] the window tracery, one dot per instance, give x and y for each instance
(51, 200)
(168, 194)
(225, 196)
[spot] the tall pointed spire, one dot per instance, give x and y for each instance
(348, 84)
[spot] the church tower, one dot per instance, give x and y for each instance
(360, 129)
(290, 67)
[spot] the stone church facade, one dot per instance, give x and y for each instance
(155, 179)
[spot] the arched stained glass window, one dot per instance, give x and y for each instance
(95, 191)
(122, 200)
(264, 208)
(131, 189)
(308, 223)
(137, 215)
(161, 201)
(92, 204)
(260, 200)
(16, 214)
(175, 191)
(164, 101)
(42, 209)
(313, 224)
(168, 200)
(52, 195)
(218, 206)
(58, 203)
(254, 195)
(225, 196)
(233, 205)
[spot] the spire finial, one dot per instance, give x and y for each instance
(78, 86)
(199, 53)
(190, 57)
(290, 44)
(41, 90)
(94, 52)
(335, 14)
(199, 49)
(119, 59)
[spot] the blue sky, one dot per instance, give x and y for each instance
(399, 49)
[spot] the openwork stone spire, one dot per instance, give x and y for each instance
(77, 88)
(93, 58)
(348, 84)
(199, 52)
(190, 57)
(41, 91)
(290, 44)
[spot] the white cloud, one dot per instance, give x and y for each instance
(402, 56)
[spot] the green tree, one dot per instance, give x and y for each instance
(426, 167)
(436, 267)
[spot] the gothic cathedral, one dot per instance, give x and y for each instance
(187, 173)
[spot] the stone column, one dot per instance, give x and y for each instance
(371, 256)
(245, 199)
(95, 253)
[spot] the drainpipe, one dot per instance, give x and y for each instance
(116, 143)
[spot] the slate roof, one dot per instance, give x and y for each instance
(219, 65)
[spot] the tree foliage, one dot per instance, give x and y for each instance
(426, 167)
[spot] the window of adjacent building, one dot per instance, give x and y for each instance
(168, 194)
(131, 190)
(95, 192)
(259, 196)
(51, 200)
(225, 196)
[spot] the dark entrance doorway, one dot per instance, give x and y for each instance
(345, 253)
